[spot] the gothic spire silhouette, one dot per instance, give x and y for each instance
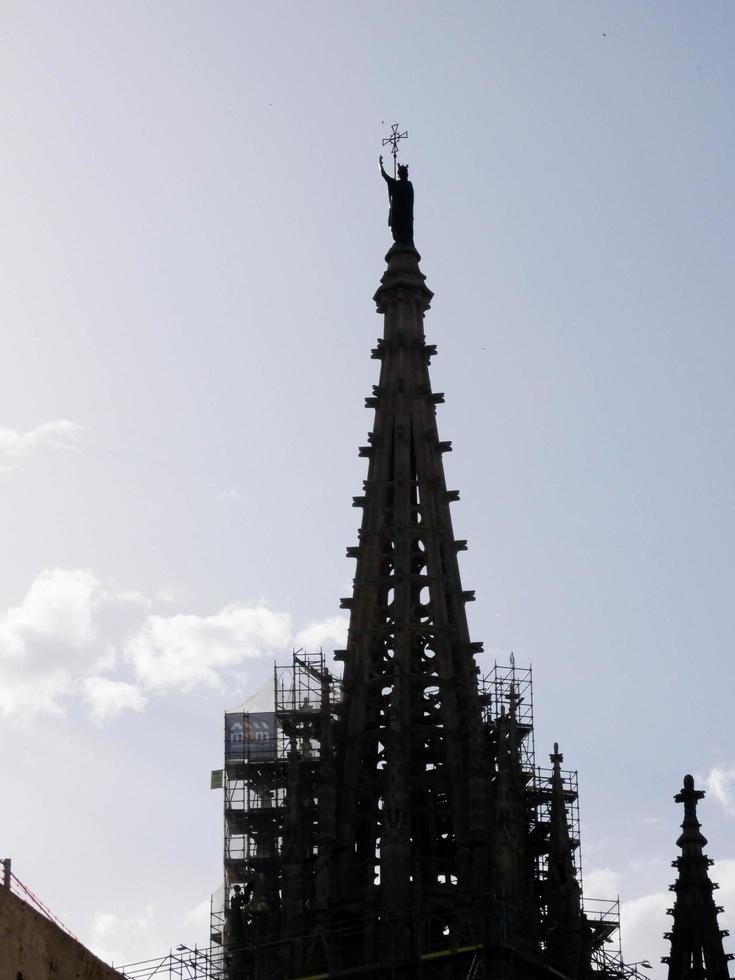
(566, 927)
(696, 938)
(412, 814)
(407, 831)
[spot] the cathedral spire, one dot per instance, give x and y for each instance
(696, 939)
(421, 841)
(412, 822)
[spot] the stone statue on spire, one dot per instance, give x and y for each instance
(400, 194)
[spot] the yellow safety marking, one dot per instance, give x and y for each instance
(449, 952)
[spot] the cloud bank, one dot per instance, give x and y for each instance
(16, 446)
(48, 641)
(182, 652)
(108, 699)
(73, 637)
(720, 785)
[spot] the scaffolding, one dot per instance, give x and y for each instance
(508, 689)
(258, 749)
(261, 749)
(541, 791)
(179, 964)
(213, 963)
(603, 918)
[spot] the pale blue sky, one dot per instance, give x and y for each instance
(194, 226)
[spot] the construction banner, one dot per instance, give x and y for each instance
(250, 736)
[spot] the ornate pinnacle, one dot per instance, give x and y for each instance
(696, 939)
(689, 796)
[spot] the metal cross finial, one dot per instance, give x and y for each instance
(393, 139)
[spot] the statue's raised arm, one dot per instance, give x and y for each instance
(400, 196)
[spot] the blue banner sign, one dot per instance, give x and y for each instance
(250, 735)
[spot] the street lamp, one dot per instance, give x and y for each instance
(631, 969)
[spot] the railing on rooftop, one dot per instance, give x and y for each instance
(13, 884)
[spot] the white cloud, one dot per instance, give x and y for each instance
(24, 698)
(602, 883)
(645, 863)
(61, 434)
(56, 607)
(64, 639)
(64, 632)
(643, 922)
(47, 641)
(125, 940)
(108, 699)
(723, 872)
(147, 933)
(182, 652)
(330, 633)
(720, 784)
(198, 917)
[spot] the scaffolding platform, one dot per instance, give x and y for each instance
(261, 749)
